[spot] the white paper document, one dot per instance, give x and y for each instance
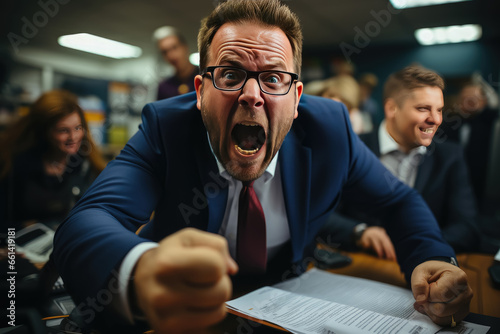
(323, 303)
(497, 256)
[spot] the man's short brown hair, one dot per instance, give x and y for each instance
(409, 78)
(268, 12)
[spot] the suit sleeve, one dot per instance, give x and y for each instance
(402, 211)
(338, 231)
(91, 243)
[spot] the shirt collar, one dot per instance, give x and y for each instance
(268, 174)
(388, 144)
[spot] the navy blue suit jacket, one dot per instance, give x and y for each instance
(443, 181)
(477, 149)
(168, 167)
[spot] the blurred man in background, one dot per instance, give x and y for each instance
(175, 51)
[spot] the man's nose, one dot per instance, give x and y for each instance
(251, 94)
(435, 117)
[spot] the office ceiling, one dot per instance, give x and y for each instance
(326, 23)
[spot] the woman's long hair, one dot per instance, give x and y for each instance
(33, 131)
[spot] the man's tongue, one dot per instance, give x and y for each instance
(248, 138)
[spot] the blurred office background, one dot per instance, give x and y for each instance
(362, 36)
(372, 35)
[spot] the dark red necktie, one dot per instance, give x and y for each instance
(251, 249)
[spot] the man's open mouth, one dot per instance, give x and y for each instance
(249, 138)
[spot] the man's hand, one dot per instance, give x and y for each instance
(376, 238)
(441, 291)
(183, 284)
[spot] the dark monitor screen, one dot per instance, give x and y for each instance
(26, 238)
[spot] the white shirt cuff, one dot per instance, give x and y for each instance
(125, 271)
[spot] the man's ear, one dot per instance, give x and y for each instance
(299, 88)
(198, 80)
(390, 108)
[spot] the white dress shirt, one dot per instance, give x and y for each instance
(403, 165)
(270, 193)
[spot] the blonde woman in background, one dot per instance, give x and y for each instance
(345, 89)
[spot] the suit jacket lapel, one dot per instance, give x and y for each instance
(214, 186)
(374, 141)
(424, 169)
(376, 144)
(371, 141)
(295, 167)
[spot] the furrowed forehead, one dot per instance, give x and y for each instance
(236, 44)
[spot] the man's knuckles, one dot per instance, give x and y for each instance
(180, 295)
(197, 265)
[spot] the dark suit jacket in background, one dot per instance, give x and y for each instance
(442, 180)
(478, 149)
(168, 167)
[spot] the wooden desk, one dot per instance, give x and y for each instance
(370, 267)
(486, 298)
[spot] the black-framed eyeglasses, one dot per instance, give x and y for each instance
(230, 78)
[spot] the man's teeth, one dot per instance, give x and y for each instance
(428, 130)
(246, 152)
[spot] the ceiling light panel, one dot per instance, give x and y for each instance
(451, 34)
(402, 4)
(99, 45)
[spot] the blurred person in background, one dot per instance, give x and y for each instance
(47, 161)
(345, 89)
(367, 83)
(340, 67)
(404, 144)
(175, 51)
(472, 127)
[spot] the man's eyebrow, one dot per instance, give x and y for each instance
(230, 62)
(426, 105)
(277, 65)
